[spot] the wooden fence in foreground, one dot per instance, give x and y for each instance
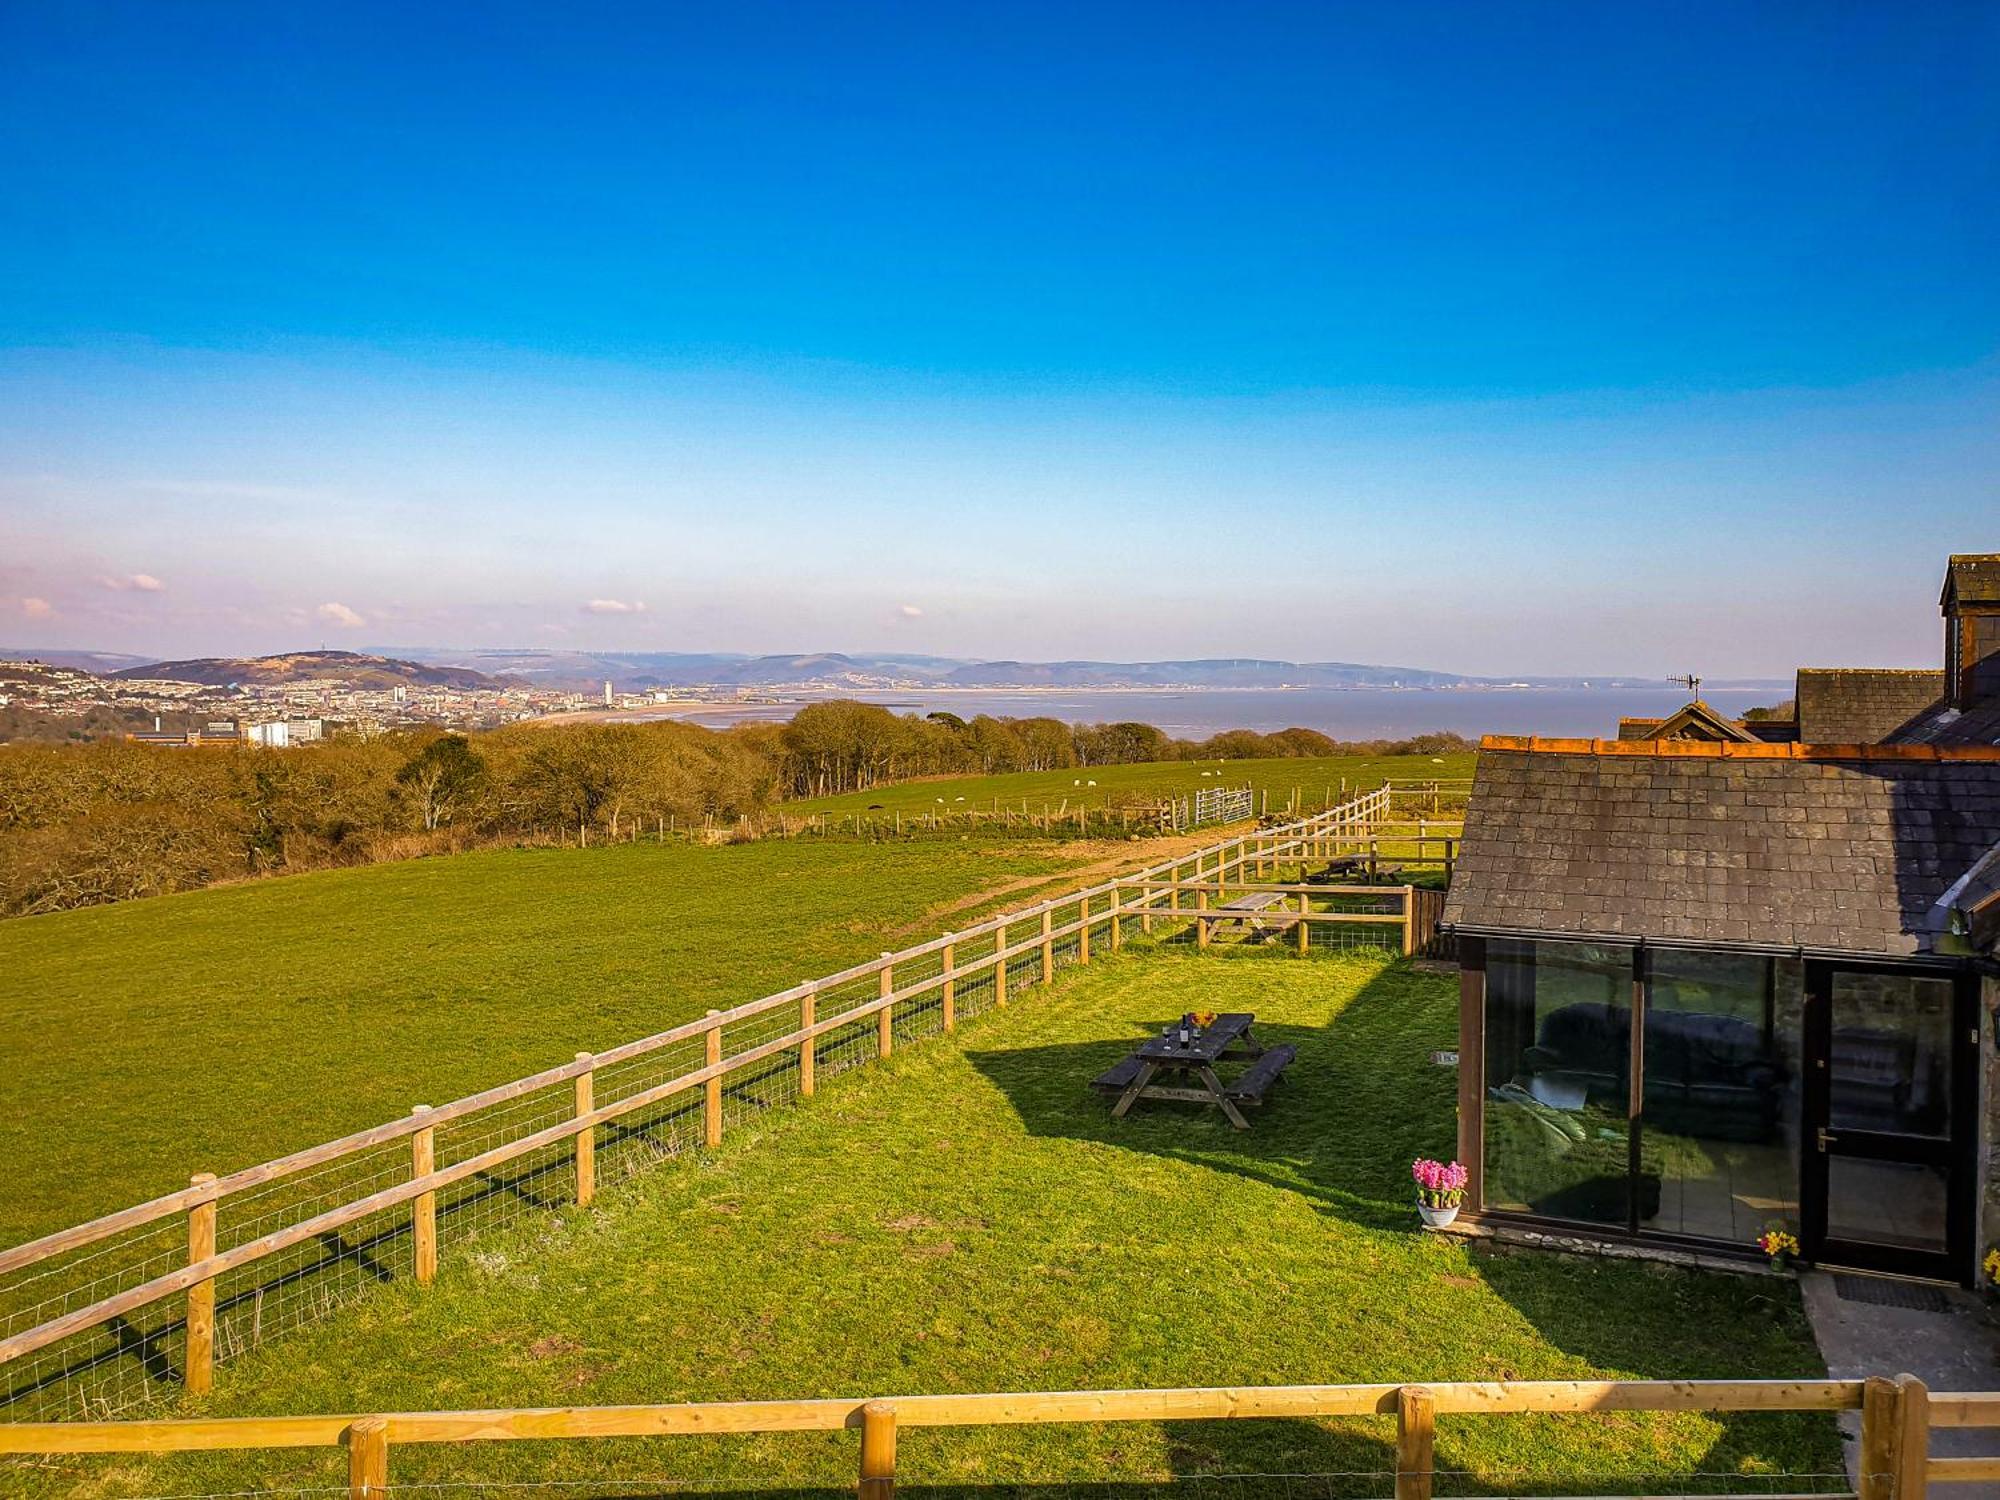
(229, 1261)
(1894, 1463)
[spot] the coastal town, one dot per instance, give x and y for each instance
(363, 695)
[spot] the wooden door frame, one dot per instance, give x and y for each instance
(1959, 1151)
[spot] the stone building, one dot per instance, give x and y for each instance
(1716, 983)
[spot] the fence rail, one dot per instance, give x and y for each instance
(1894, 1464)
(395, 1190)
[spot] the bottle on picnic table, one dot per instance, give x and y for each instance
(1186, 1021)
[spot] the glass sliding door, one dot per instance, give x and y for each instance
(1893, 1085)
(1558, 1082)
(1720, 1099)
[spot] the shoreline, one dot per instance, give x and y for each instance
(1351, 714)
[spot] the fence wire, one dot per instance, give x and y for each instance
(1319, 1484)
(128, 1361)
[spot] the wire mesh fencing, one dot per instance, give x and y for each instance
(592, 1477)
(98, 1322)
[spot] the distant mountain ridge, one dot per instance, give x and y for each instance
(833, 671)
(351, 668)
(97, 663)
(492, 669)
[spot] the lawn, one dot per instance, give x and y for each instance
(968, 1217)
(214, 1029)
(1316, 780)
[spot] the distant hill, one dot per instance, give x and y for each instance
(491, 668)
(833, 671)
(98, 663)
(1207, 672)
(349, 668)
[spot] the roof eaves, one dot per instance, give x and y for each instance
(1733, 750)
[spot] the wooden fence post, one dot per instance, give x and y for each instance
(1877, 1461)
(950, 987)
(885, 1024)
(1146, 908)
(1000, 964)
(1201, 919)
(368, 1458)
(878, 1452)
(1083, 929)
(809, 1047)
(1409, 920)
(1048, 945)
(586, 1139)
(1416, 1442)
(1913, 1438)
(1305, 927)
(199, 1374)
(711, 1106)
(424, 1207)
(1117, 920)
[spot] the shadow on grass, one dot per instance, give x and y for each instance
(1363, 1099)
(1340, 1128)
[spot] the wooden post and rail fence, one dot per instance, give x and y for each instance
(944, 966)
(1894, 1461)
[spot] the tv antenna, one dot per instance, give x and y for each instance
(1689, 681)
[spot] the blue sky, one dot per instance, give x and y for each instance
(1537, 338)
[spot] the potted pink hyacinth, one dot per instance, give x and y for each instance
(1440, 1190)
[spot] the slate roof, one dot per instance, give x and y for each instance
(1862, 705)
(1764, 848)
(1976, 724)
(1747, 731)
(1972, 578)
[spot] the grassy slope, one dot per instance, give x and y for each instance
(1312, 776)
(969, 1218)
(215, 1029)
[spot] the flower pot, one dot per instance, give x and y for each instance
(1437, 1218)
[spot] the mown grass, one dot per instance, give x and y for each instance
(968, 1217)
(1316, 779)
(214, 1029)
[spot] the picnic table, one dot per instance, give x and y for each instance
(1250, 912)
(1353, 867)
(1227, 1038)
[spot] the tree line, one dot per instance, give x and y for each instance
(84, 824)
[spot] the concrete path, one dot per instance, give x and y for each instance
(1955, 1350)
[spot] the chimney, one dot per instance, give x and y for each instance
(1971, 607)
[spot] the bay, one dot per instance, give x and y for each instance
(1344, 713)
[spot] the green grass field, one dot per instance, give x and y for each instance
(968, 1217)
(1315, 779)
(214, 1029)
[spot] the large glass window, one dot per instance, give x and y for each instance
(1721, 1092)
(1558, 1077)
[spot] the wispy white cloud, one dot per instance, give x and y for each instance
(614, 607)
(340, 614)
(38, 609)
(143, 583)
(909, 611)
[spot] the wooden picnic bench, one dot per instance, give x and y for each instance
(1254, 912)
(1227, 1038)
(1353, 867)
(1337, 868)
